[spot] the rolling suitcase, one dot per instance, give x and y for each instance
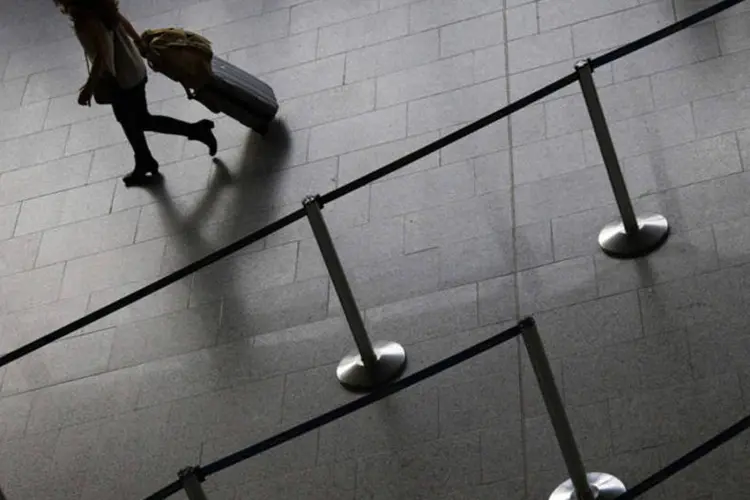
(240, 95)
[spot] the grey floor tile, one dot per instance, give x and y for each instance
(17, 254)
(277, 54)
(391, 281)
(489, 140)
(732, 240)
(477, 259)
(15, 413)
(688, 413)
(732, 36)
(275, 308)
(69, 359)
(33, 149)
(472, 34)
(481, 216)
(562, 195)
(392, 56)
(209, 13)
(628, 368)
(432, 315)
(311, 15)
(330, 105)
(22, 121)
(421, 472)
(429, 14)
(65, 207)
(88, 237)
(554, 285)
(250, 31)
(358, 132)
(336, 481)
(724, 113)
(164, 336)
(363, 31)
(492, 172)
(523, 21)
(117, 160)
(58, 175)
(28, 289)
(422, 190)
(497, 300)
(700, 299)
(356, 164)
(307, 78)
(83, 401)
(9, 220)
(540, 50)
(555, 14)
(591, 426)
(456, 106)
(548, 158)
(616, 29)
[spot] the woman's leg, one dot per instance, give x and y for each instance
(130, 117)
(199, 131)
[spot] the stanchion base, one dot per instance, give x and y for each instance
(652, 233)
(391, 361)
(603, 486)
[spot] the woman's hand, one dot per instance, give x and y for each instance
(85, 95)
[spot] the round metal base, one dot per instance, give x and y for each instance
(652, 233)
(391, 361)
(603, 486)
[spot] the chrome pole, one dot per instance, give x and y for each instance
(370, 365)
(580, 486)
(632, 236)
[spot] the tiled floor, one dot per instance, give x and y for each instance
(651, 355)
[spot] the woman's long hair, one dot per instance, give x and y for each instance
(106, 11)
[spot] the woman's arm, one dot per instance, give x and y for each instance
(132, 33)
(100, 60)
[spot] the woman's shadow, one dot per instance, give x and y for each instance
(249, 185)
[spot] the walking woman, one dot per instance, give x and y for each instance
(117, 76)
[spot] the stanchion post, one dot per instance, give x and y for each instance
(191, 484)
(633, 236)
(580, 486)
(371, 364)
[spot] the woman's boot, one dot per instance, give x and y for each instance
(202, 131)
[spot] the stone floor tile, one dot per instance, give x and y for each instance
(684, 254)
(65, 207)
(699, 299)
(277, 54)
(642, 134)
(688, 413)
(628, 368)
(433, 315)
(548, 158)
(23, 120)
(396, 279)
(559, 284)
(489, 140)
(29, 289)
(454, 107)
(20, 327)
(15, 413)
(11, 94)
(540, 50)
(429, 14)
(245, 273)
(477, 259)
(117, 160)
(93, 134)
(492, 172)
(368, 244)
(32, 149)
(275, 308)
(47, 178)
(9, 220)
(62, 361)
(472, 34)
(422, 191)
(591, 426)
(692, 45)
(422, 472)
(104, 270)
(732, 240)
(356, 164)
(164, 336)
(497, 300)
(732, 37)
(562, 195)
(18, 254)
(318, 13)
(83, 401)
(88, 237)
(363, 31)
(724, 113)
(308, 78)
(330, 105)
(358, 132)
(617, 29)
(392, 56)
(556, 14)
(254, 30)
(210, 13)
